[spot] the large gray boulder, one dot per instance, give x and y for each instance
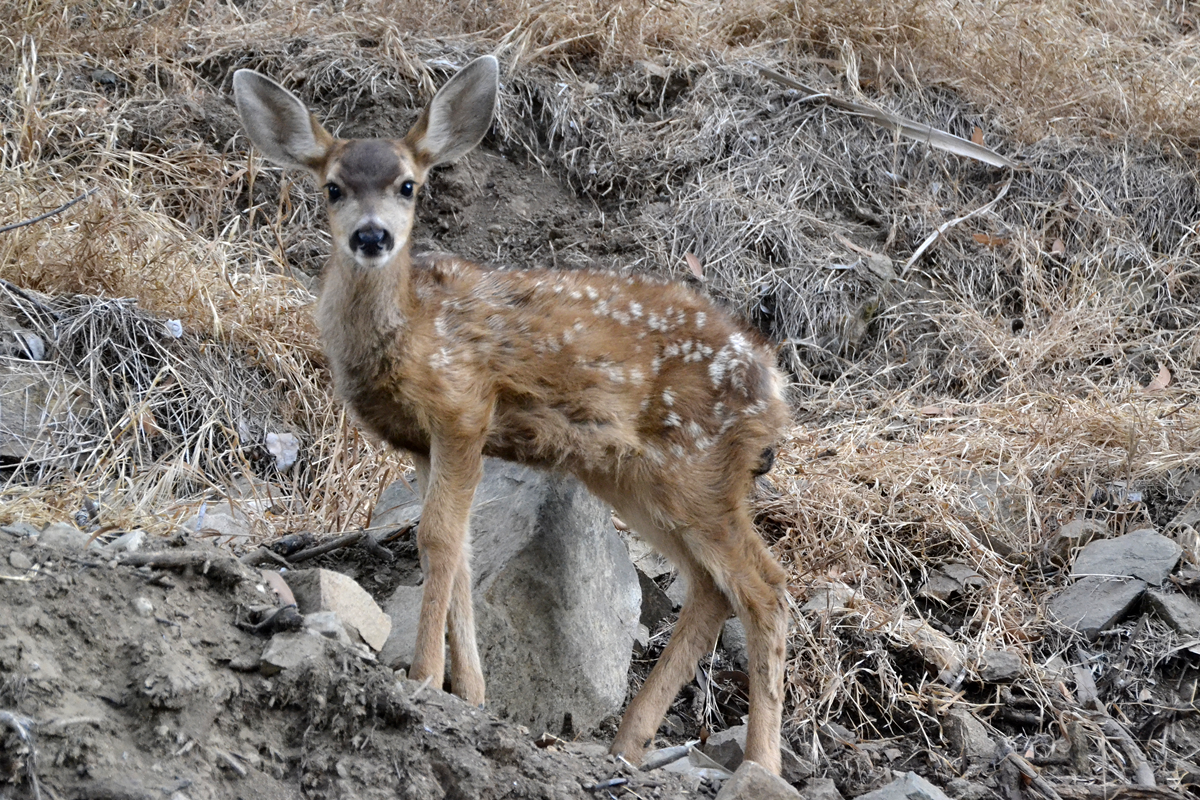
(556, 597)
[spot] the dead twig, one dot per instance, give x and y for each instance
(48, 214)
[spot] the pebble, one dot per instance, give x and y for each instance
(19, 560)
(143, 607)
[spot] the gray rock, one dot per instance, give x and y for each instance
(727, 747)
(63, 536)
(821, 789)
(143, 607)
(399, 506)
(325, 590)
(1072, 536)
(950, 579)
(1142, 554)
(404, 607)
(911, 787)
(677, 592)
(792, 767)
(999, 666)
(753, 782)
(1179, 611)
(1094, 604)
(1000, 509)
(557, 601)
(733, 639)
(656, 606)
(969, 738)
(291, 649)
(223, 523)
(18, 560)
(21, 529)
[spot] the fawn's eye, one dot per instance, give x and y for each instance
(406, 188)
(333, 191)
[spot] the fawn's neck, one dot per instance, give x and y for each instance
(362, 312)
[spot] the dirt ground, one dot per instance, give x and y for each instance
(140, 684)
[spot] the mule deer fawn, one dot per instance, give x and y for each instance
(661, 403)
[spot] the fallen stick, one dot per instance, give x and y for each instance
(1029, 771)
(220, 567)
(1143, 774)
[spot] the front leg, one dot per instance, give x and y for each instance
(455, 467)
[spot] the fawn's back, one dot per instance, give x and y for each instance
(620, 380)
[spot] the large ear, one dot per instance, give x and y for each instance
(459, 114)
(278, 123)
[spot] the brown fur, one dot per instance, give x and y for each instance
(661, 403)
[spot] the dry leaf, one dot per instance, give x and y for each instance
(977, 136)
(1059, 247)
(694, 265)
(935, 411)
(1161, 381)
(988, 240)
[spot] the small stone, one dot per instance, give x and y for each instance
(327, 624)
(19, 560)
(656, 606)
(290, 650)
(968, 737)
(999, 666)
(104, 77)
(753, 782)
(326, 590)
(733, 639)
(642, 637)
(833, 596)
(910, 787)
(727, 747)
(1179, 611)
(1095, 604)
(126, 542)
(1071, 536)
(1143, 554)
(143, 607)
(950, 579)
(821, 789)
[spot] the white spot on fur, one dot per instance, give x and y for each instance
(592, 294)
(667, 397)
(672, 420)
(701, 318)
(635, 309)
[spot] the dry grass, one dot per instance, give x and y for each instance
(958, 411)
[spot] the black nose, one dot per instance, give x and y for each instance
(371, 241)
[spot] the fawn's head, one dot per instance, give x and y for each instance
(370, 184)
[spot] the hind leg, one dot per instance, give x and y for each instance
(756, 587)
(700, 620)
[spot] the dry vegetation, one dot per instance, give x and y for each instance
(1007, 363)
